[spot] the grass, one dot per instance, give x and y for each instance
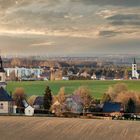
(98, 88)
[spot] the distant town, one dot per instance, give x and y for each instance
(71, 68)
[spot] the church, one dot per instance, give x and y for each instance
(5, 99)
(135, 74)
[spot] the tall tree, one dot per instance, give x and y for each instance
(47, 98)
(130, 107)
(61, 95)
(18, 97)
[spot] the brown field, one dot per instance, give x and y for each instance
(42, 128)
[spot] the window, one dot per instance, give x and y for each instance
(0, 78)
(1, 106)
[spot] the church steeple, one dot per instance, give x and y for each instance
(2, 75)
(135, 74)
(1, 65)
(134, 61)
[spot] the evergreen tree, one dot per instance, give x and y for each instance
(47, 98)
(130, 107)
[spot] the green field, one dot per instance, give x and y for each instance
(98, 88)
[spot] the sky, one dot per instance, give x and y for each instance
(69, 27)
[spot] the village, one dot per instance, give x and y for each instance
(117, 103)
(18, 69)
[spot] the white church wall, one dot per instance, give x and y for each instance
(4, 107)
(2, 77)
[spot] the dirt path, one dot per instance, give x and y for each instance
(37, 128)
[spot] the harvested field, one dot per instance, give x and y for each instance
(42, 128)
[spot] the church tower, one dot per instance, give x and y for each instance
(135, 74)
(2, 75)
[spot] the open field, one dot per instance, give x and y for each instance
(42, 128)
(98, 88)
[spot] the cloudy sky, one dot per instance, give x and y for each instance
(69, 27)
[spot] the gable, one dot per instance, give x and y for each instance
(4, 96)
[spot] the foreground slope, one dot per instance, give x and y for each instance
(37, 128)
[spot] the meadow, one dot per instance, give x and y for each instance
(98, 88)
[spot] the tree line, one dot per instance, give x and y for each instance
(82, 97)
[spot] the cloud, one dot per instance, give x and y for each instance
(67, 25)
(127, 3)
(107, 33)
(125, 19)
(43, 44)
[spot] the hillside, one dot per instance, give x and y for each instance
(98, 88)
(37, 128)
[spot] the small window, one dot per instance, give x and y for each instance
(0, 78)
(1, 105)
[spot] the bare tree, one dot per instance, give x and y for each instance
(85, 95)
(18, 96)
(113, 91)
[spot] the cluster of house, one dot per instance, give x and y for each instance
(55, 73)
(32, 74)
(24, 73)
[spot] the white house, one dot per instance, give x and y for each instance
(29, 111)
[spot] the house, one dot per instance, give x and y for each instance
(29, 111)
(94, 77)
(38, 103)
(85, 74)
(6, 102)
(74, 104)
(110, 107)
